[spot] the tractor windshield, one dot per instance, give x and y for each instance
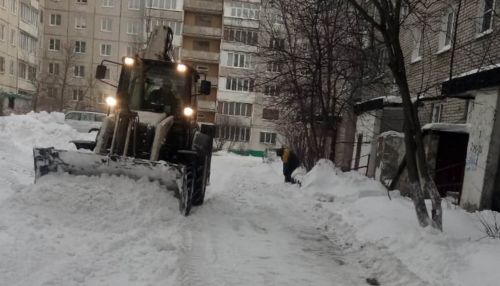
(158, 88)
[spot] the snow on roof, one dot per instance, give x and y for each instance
(473, 71)
(447, 127)
(387, 99)
(391, 133)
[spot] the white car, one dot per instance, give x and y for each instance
(84, 121)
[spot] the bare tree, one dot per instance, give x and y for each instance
(385, 17)
(310, 51)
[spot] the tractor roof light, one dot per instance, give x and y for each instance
(111, 101)
(181, 67)
(128, 61)
(188, 111)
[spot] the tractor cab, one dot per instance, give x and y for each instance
(157, 86)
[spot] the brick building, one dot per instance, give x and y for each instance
(452, 65)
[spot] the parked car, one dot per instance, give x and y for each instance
(84, 121)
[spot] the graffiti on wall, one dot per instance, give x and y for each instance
(475, 150)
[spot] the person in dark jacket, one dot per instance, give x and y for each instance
(290, 163)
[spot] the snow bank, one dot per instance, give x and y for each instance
(325, 181)
(19, 134)
(72, 230)
(461, 255)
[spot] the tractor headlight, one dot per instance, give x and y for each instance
(128, 61)
(181, 67)
(188, 111)
(111, 101)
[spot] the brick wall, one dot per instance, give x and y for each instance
(473, 50)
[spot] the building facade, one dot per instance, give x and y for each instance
(21, 37)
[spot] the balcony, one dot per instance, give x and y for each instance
(205, 105)
(212, 7)
(206, 32)
(200, 56)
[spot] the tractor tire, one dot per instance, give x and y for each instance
(188, 183)
(200, 184)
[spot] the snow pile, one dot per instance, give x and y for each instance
(69, 230)
(325, 181)
(19, 134)
(358, 206)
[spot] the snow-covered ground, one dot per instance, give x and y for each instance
(337, 229)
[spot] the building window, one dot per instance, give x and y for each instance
(447, 28)
(244, 10)
(101, 98)
(154, 22)
(2, 64)
(31, 73)
(106, 25)
(199, 45)
(78, 94)
(52, 91)
(79, 71)
(22, 70)
(54, 68)
(277, 44)
(134, 4)
(203, 20)
(244, 36)
(161, 4)
(270, 114)
(418, 44)
(29, 15)
(487, 15)
(437, 111)
(54, 44)
(2, 4)
(133, 28)
(267, 138)
(13, 6)
(107, 3)
(271, 90)
(105, 50)
(239, 84)
(240, 60)
(235, 108)
(233, 133)
(27, 43)
(274, 67)
(55, 20)
(2, 32)
(80, 22)
(83, 2)
(80, 47)
(11, 68)
(13, 37)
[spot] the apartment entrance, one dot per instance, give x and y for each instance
(450, 164)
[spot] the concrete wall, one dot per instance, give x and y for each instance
(482, 151)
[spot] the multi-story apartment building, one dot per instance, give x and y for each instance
(21, 34)
(201, 48)
(218, 38)
(242, 111)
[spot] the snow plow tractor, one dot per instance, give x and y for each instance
(152, 131)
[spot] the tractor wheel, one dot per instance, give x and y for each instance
(200, 184)
(186, 195)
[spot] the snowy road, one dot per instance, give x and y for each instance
(251, 231)
(248, 233)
